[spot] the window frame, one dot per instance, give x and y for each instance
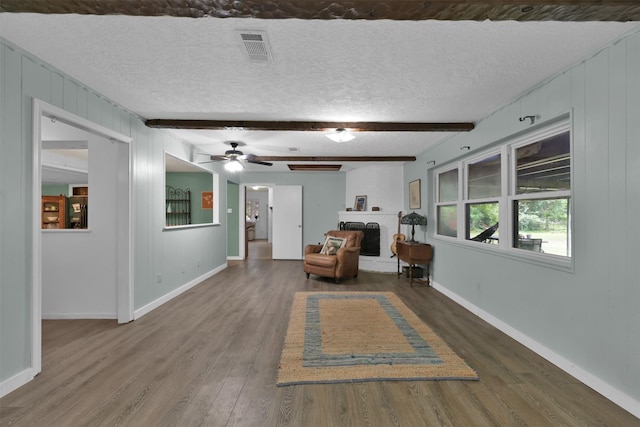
(507, 149)
(467, 201)
(456, 202)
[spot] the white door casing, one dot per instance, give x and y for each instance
(124, 222)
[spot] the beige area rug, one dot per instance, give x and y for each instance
(362, 336)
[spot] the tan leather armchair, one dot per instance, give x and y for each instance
(344, 264)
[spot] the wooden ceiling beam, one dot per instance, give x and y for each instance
(307, 126)
(335, 158)
(452, 10)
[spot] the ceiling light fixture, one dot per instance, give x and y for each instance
(234, 165)
(340, 135)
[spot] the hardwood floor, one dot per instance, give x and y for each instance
(209, 358)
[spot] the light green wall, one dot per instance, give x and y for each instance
(589, 317)
(323, 195)
(196, 182)
(233, 220)
(55, 189)
(200, 250)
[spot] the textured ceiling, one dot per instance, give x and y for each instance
(325, 70)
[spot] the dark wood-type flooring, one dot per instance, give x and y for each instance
(209, 358)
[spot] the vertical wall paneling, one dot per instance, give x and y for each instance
(631, 303)
(106, 113)
(579, 174)
(579, 318)
(70, 97)
(597, 181)
(83, 102)
(57, 90)
(24, 78)
(93, 108)
(559, 95)
(617, 214)
(15, 319)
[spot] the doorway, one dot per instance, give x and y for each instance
(116, 191)
(284, 221)
(258, 221)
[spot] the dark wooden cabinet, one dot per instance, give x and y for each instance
(414, 253)
(54, 212)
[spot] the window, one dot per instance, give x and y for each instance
(446, 205)
(484, 189)
(516, 197)
(484, 178)
(542, 195)
(483, 221)
(447, 220)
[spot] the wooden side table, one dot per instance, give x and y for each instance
(414, 253)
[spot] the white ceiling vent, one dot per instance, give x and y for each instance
(255, 45)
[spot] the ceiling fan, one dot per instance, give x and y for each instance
(234, 158)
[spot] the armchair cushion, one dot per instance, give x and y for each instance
(332, 244)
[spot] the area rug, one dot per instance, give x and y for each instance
(362, 336)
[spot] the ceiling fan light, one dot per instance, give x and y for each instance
(233, 166)
(340, 135)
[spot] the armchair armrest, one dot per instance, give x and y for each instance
(348, 253)
(312, 249)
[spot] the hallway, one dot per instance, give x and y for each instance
(259, 249)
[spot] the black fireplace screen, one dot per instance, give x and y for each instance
(371, 240)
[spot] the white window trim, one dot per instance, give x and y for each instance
(507, 151)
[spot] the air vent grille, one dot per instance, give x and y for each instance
(255, 45)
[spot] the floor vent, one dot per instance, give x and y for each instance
(255, 45)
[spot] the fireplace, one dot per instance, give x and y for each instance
(383, 226)
(371, 242)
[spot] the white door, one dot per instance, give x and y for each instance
(287, 222)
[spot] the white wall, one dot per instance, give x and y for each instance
(380, 183)
(79, 266)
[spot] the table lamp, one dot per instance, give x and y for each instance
(413, 219)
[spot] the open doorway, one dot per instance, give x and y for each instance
(258, 221)
(84, 238)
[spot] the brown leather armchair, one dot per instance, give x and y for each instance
(343, 264)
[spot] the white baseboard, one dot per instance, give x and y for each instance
(234, 258)
(17, 381)
(169, 296)
(616, 396)
(78, 316)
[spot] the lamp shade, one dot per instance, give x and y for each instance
(413, 219)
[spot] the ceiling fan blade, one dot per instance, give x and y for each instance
(219, 158)
(259, 162)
